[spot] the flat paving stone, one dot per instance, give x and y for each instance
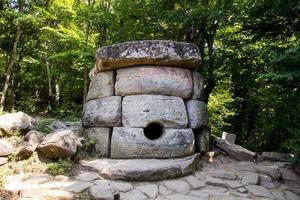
(163, 190)
(195, 183)
(250, 178)
(143, 169)
(215, 182)
(259, 191)
(291, 196)
(178, 186)
(233, 184)
(184, 197)
(76, 186)
(150, 190)
(121, 186)
(87, 176)
(133, 195)
(225, 175)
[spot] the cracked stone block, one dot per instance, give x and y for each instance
(197, 114)
(198, 86)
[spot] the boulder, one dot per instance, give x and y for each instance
(26, 150)
(102, 112)
(93, 72)
(151, 52)
(202, 139)
(143, 169)
(198, 86)
(141, 110)
(16, 124)
(154, 80)
(101, 85)
(271, 171)
(197, 114)
(60, 144)
(6, 148)
(233, 150)
(34, 136)
(132, 143)
(101, 137)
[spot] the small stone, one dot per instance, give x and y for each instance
(272, 171)
(26, 150)
(225, 175)
(6, 148)
(121, 186)
(259, 191)
(150, 190)
(76, 186)
(197, 114)
(215, 182)
(178, 186)
(250, 178)
(233, 184)
(163, 190)
(34, 136)
(97, 192)
(267, 182)
(87, 176)
(133, 195)
(195, 183)
(242, 190)
(198, 86)
(290, 195)
(3, 160)
(184, 197)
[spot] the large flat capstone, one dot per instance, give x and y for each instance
(132, 143)
(102, 112)
(154, 52)
(143, 169)
(141, 110)
(154, 80)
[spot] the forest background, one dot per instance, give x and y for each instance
(250, 50)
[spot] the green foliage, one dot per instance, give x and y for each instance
(44, 125)
(60, 167)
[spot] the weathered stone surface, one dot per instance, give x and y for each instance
(163, 190)
(154, 80)
(93, 72)
(233, 184)
(134, 194)
(33, 136)
(150, 190)
(259, 191)
(197, 114)
(291, 196)
(178, 186)
(26, 150)
(184, 197)
(76, 186)
(6, 148)
(46, 194)
(132, 143)
(143, 169)
(242, 190)
(59, 144)
(148, 52)
(141, 110)
(215, 182)
(267, 182)
(288, 174)
(102, 112)
(250, 178)
(100, 135)
(16, 123)
(275, 156)
(225, 175)
(202, 139)
(121, 186)
(198, 86)
(195, 183)
(101, 85)
(229, 137)
(3, 160)
(272, 171)
(98, 192)
(87, 176)
(234, 150)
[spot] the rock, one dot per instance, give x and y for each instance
(26, 150)
(133, 195)
(198, 86)
(195, 183)
(76, 186)
(200, 193)
(34, 136)
(60, 144)
(272, 171)
(121, 186)
(87, 176)
(202, 140)
(178, 186)
(234, 150)
(3, 160)
(133, 143)
(100, 136)
(158, 80)
(183, 197)
(197, 114)
(150, 190)
(6, 148)
(141, 110)
(101, 85)
(233, 184)
(290, 195)
(94, 71)
(143, 169)
(288, 174)
(215, 182)
(16, 124)
(242, 190)
(97, 192)
(229, 137)
(58, 125)
(163, 190)
(275, 156)
(267, 182)
(47, 194)
(250, 178)
(259, 191)
(102, 112)
(148, 52)
(225, 175)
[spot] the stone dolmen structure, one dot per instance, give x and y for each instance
(144, 102)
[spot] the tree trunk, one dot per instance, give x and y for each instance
(49, 78)
(57, 92)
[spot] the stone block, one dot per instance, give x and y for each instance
(102, 112)
(154, 80)
(101, 136)
(197, 114)
(132, 143)
(229, 137)
(155, 52)
(198, 86)
(202, 139)
(101, 85)
(141, 110)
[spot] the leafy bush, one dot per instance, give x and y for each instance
(61, 167)
(44, 125)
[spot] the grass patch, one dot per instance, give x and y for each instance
(60, 167)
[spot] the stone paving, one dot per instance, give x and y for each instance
(223, 179)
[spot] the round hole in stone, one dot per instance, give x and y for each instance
(153, 131)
